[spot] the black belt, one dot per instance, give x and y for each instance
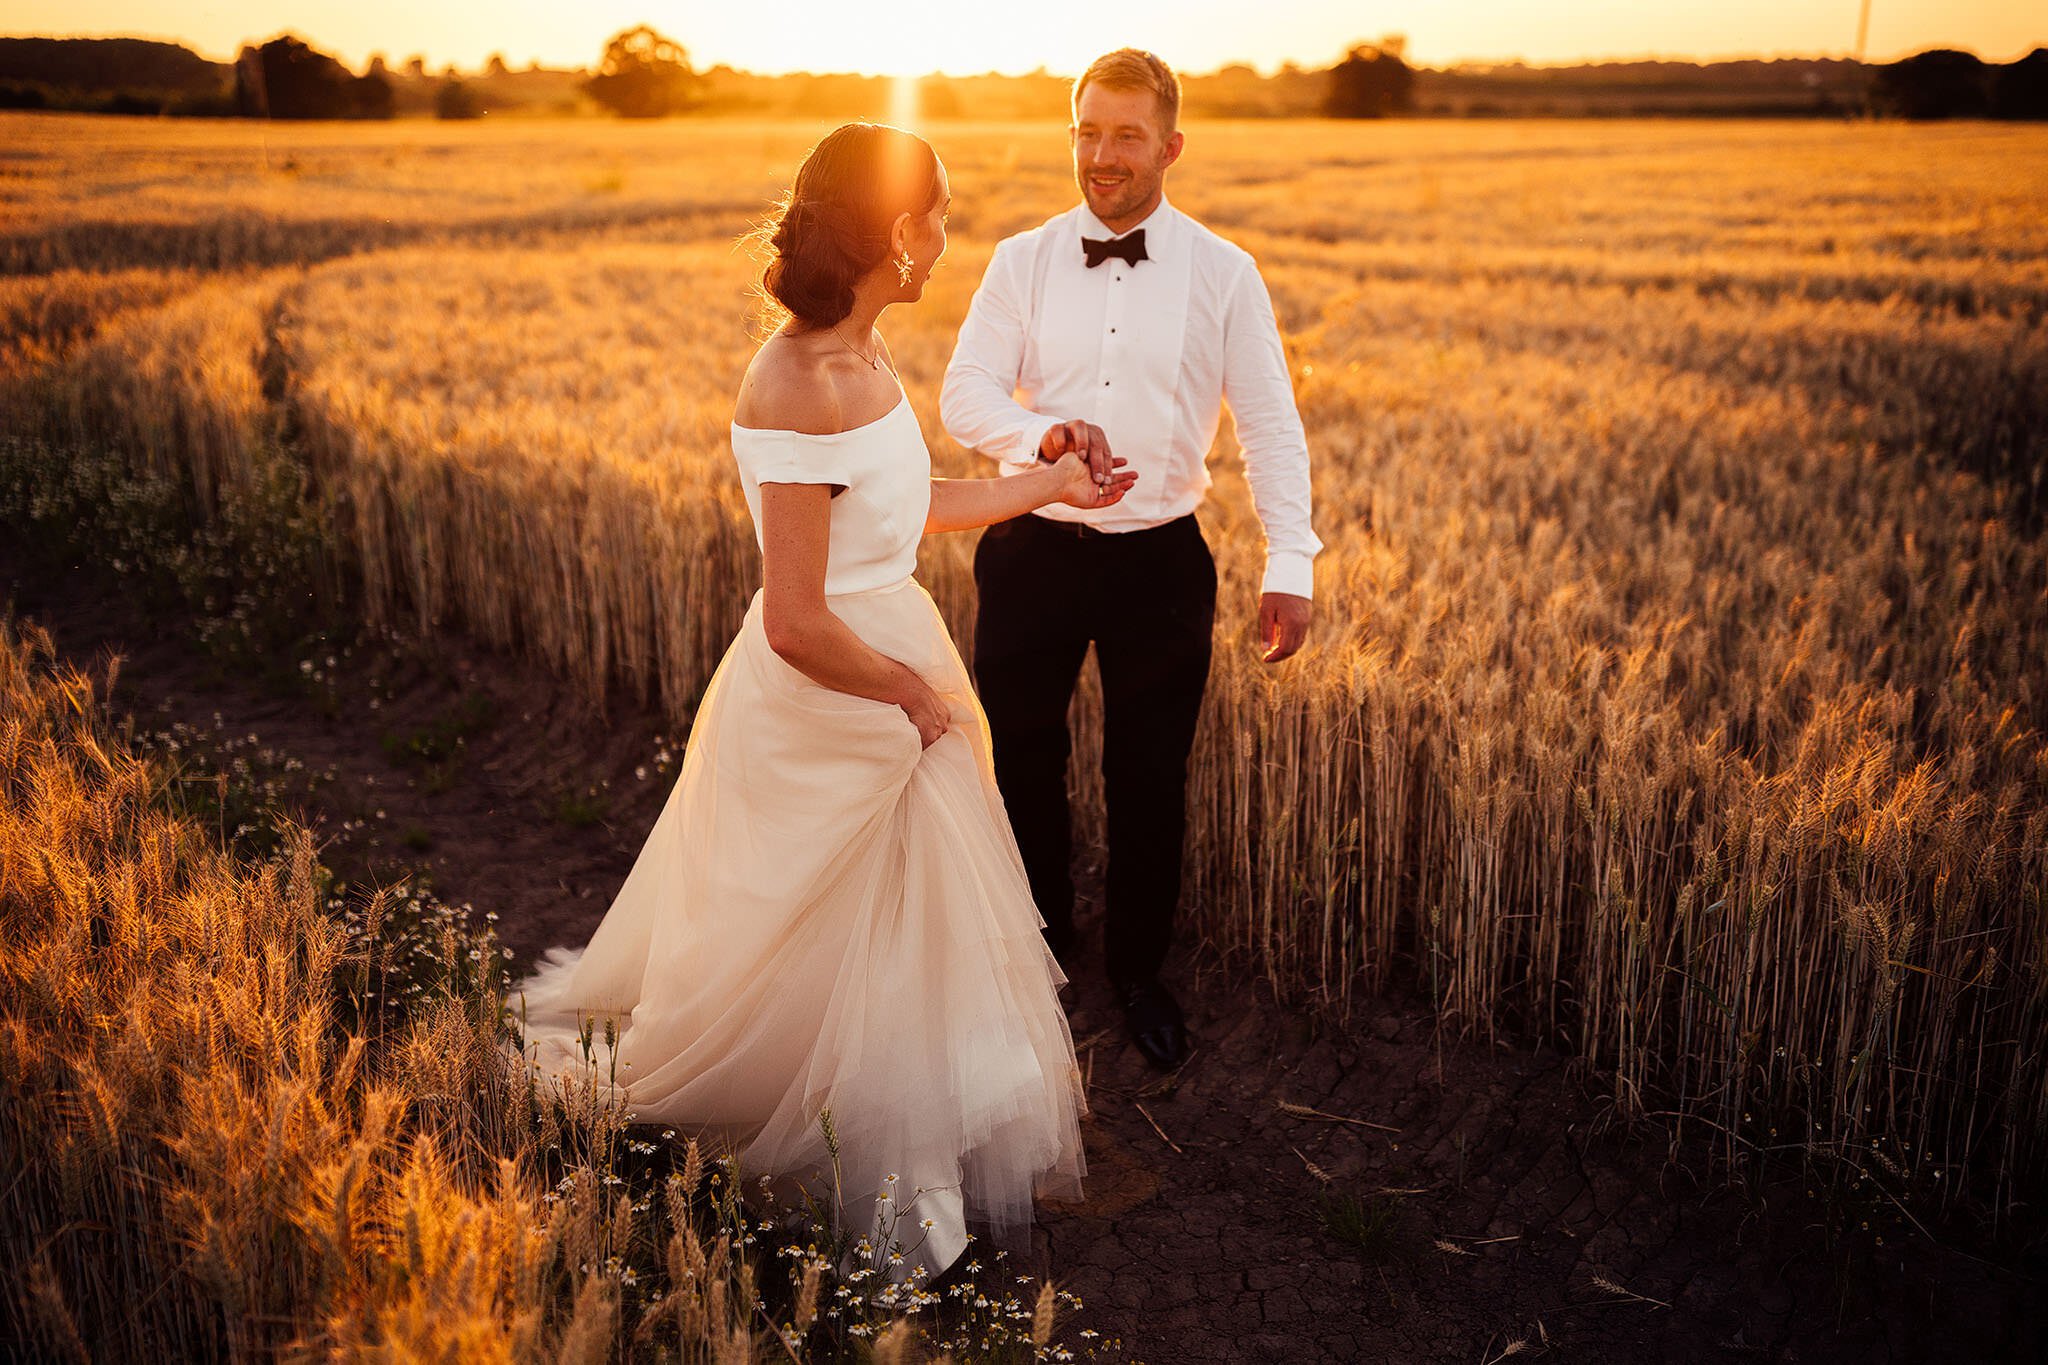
(1076, 530)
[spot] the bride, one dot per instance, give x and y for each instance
(828, 933)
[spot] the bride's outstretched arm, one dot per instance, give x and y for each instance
(796, 523)
(958, 504)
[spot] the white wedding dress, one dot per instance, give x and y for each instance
(829, 915)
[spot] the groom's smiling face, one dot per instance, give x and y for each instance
(1121, 151)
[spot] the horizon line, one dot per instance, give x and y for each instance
(1264, 73)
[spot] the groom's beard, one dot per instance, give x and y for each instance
(1115, 201)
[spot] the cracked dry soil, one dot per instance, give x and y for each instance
(1485, 1188)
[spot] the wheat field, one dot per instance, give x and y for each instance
(1680, 674)
(249, 1117)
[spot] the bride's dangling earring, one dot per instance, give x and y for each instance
(903, 266)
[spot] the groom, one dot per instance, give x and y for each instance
(1121, 323)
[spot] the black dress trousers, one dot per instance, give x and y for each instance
(1147, 601)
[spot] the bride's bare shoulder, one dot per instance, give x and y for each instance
(791, 387)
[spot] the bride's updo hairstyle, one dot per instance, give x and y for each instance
(833, 226)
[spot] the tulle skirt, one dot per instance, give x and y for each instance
(830, 927)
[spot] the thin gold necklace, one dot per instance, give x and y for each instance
(874, 362)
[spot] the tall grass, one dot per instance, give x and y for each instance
(1678, 687)
(248, 1117)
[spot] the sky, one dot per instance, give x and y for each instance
(912, 37)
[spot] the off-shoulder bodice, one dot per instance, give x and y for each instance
(886, 469)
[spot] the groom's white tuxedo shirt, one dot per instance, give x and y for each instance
(1148, 352)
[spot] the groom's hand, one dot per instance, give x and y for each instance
(1085, 439)
(1283, 624)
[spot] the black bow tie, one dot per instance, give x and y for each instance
(1130, 250)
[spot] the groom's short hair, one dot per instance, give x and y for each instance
(1130, 68)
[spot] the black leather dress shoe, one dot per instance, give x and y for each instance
(1153, 1016)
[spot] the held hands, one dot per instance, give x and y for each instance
(1082, 437)
(1089, 475)
(1081, 486)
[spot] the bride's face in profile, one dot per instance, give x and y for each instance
(924, 238)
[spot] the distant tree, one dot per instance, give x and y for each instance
(2020, 90)
(286, 78)
(416, 68)
(454, 100)
(375, 96)
(644, 75)
(1942, 83)
(496, 67)
(1372, 81)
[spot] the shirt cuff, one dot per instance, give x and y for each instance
(1287, 571)
(1032, 437)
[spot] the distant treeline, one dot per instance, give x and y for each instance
(643, 73)
(112, 75)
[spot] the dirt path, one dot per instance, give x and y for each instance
(1482, 1200)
